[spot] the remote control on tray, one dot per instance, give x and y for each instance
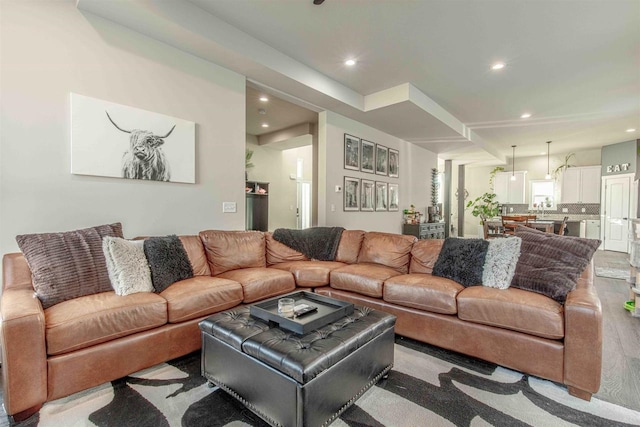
(302, 309)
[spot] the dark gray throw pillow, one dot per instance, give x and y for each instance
(168, 261)
(550, 264)
(462, 260)
(69, 264)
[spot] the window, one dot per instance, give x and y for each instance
(542, 195)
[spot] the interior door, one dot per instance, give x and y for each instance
(303, 210)
(616, 213)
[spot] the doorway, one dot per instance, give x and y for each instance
(616, 202)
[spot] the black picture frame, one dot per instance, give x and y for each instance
(367, 195)
(351, 192)
(394, 197)
(394, 163)
(351, 152)
(382, 198)
(382, 159)
(367, 156)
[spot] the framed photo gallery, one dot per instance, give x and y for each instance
(370, 195)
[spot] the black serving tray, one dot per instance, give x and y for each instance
(329, 310)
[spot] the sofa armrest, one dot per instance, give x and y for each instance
(24, 353)
(583, 340)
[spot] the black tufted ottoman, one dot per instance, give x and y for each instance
(297, 380)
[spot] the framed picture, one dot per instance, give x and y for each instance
(393, 196)
(351, 194)
(367, 156)
(382, 203)
(394, 163)
(351, 152)
(119, 141)
(367, 195)
(381, 159)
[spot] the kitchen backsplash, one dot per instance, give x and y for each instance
(574, 210)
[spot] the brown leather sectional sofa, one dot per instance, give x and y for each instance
(81, 343)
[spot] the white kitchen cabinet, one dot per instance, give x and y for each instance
(508, 191)
(581, 185)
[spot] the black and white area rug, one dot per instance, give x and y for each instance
(427, 387)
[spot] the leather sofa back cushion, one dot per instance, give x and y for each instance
(551, 264)
(196, 254)
(68, 265)
(279, 252)
(349, 246)
(424, 255)
(232, 250)
(391, 250)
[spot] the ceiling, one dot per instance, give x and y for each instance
(423, 69)
(275, 112)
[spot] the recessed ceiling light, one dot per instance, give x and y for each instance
(631, 130)
(264, 99)
(265, 125)
(350, 62)
(497, 66)
(525, 116)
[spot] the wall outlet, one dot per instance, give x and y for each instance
(510, 209)
(583, 210)
(333, 207)
(565, 210)
(228, 207)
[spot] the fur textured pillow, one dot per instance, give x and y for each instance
(168, 261)
(462, 260)
(127, 265)
(550, 264)
(68, 265)
(500, 263)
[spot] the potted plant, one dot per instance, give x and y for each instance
(485, 206)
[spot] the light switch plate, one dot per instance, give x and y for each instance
(565, 210)
(229, 207)
(338, 188)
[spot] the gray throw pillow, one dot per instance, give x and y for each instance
(68, 265)
(550, 264)
(168, 261)
(127, 265)
(462, 260)
(500, 262)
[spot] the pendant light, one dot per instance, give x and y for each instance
(548, 175)
(513, 163)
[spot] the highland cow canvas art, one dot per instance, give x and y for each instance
(114, 140)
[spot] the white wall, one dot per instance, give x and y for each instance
(414, 180)
(50, 49)
(275, 167)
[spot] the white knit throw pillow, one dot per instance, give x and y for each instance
(500, 262)
(127, 265)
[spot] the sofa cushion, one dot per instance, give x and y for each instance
(423, 291)
(513, 309)
(127, 265)
(195, 251)
(462, 260)
(92, 319)
(387, 249)
(424, 255)
(279, 252)
(500, 262)
(199, 296)
(68, 265)
(168, 261)
(551, 264)
(349, 246)
(261, 283)
(231, 250)
(366, 279)
(310, 274)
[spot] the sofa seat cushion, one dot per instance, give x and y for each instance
(366, 278)
(92, 319)
(199, 296)
(424, 292)
(513, 309)
(310, 274)
(261, 283)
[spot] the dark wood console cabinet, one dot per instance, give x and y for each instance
(427, 230)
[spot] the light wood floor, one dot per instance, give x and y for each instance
(621, 336)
